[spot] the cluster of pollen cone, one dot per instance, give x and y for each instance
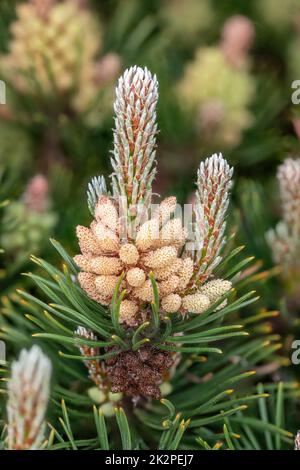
(49, 34)
(157, 249)
(54, 51)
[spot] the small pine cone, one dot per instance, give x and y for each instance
(129, 254)
(165, 209)
(106, 213)
(161, 257)
(171, 303)
(106, 265)
(105, 285)
(128, 312)
(107, 240)
(215, 289)
(148, 235)
(195, 303)
(186, 273)
(83, 262)
(140, 372)
(161, 274)
(168, 286)
(87, 283)
(173, 233)
(99, 264)
(136, 277)
(87, 241)
(145, 292)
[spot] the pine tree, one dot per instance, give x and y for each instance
(151, 325)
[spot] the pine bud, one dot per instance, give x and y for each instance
(96, 370)
(288, 177)
(133, 158)
(28, 395)
(284, 240)
(214, 183)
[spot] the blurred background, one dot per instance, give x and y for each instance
(225, 71)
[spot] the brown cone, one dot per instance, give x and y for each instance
(138, 372)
